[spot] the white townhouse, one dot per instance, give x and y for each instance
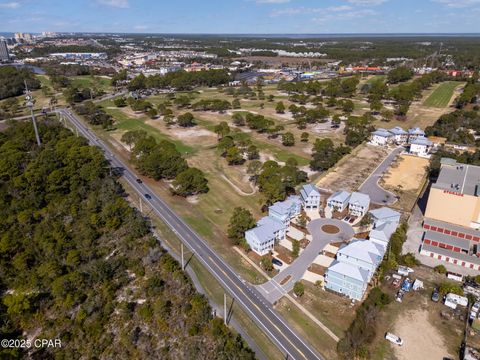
(339, 200)
(382, 233)
(400, 136)
(421, 147)
(310, 196)
(262, 238)
(384, 215)
(414, 134)
(358, 204)
(381, 137)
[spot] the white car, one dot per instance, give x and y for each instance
(394, 339)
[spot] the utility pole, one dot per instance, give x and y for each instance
(183, 261)
(225, 308)
(28, 98)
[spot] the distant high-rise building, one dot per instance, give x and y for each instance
(4, 55)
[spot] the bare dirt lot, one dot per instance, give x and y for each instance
(422, 341)
(352, 170)
(406, 177)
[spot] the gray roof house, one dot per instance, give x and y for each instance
(415, 133)
(358, 204)
(262, 238)
(338, 200)
(382, 233)
(381, 137)
(310, 196)
(400, 136)
(284, 211)
(383, 215)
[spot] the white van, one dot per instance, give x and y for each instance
(394, 339)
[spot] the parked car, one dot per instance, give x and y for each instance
(399, 296)
(346, 218)
(276, 262)
(139, 181)
(435, 295)
(394, 339)
(148, 196)
(351, 220)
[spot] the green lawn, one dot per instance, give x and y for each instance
(89, 81)
(441, 96)
(126, 123)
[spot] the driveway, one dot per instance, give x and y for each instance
(379, 195)
(283, 282)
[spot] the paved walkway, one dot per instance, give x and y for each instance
(379, 195)
(283, 282)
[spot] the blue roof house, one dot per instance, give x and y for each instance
(415, 133)
(400, 136)
(285, 211)
(381, 137)
(382, 233)
(310, 196)
(383, 215)
(262, 238)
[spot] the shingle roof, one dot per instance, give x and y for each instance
(384, 213)
(359, 199)
(349, 270)
(384, 231)
(365, 250)
(422, 141)
(308, 190)
(397, 130)
(340, 196)
(382, 133)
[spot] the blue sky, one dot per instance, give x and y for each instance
(241, 16)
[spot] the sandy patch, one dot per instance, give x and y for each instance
(421, 340)
(129, 112)
(191, 132)
(406, 172)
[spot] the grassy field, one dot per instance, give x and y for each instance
(442, 94)
(83, 81)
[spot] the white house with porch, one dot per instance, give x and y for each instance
(358, 204)
(310, 196)
(400, 136)
(338, 201)
(421, 147)
(381, 137)
(414, 134)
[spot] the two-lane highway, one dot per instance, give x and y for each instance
(253, 303)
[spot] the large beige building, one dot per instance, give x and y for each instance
(452, 217)
(455, 197)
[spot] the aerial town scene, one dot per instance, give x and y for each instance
(259, 179)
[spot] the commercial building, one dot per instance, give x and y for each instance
(4, 55)
(452, 216)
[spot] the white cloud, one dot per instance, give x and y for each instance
(458, 3)
(339, 8)
(140, 27)
(326, 17)
(367, 2)
(114, 3)
(10, 5)
(272, 1)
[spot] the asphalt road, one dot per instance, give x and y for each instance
(379, 195)
(253, 303)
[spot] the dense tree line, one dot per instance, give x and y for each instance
(325, 154)
(358, 129)
(470, 93)
(212, 105)
(79, 264)
(161, 160)
(12, 81)
(180, 80)
(94, 114)
(399, 74)
(455, 126)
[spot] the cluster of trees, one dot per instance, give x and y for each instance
(76, 94)
(325, 154)
(212, 105)
(333, 88)
(470, 93)
(119, 77)
(464, 157)
(161, 160)
(67, 70)
(399, 74)
(455, 126)
(362, 330)
(358, 129)
(235, 149)
(9, 108)
(12, 81)
(95, 114)
(274, 181)
(76, 259)
(240, 221)
(180, 80)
